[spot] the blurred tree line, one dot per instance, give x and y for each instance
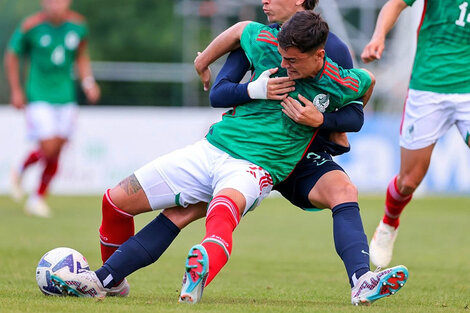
(124, 31)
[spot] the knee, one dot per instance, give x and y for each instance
(340, 193)
(407, 184)
(50, 154)
(51, 149)
(133, 204)
(348, 190)
(181, 217)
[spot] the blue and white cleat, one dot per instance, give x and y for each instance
(85, 284)
(379, 284)
(194, 278)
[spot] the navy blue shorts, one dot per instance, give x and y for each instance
(305, 175)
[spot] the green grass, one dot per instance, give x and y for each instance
(283, 260)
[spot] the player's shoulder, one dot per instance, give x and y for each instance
(336, 75)
(33, 20)
(75, 17)
(338, 51)
(262, 31)
(257, 26)
(334, 41)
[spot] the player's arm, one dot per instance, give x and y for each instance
(227, 91)
(12, 69)
(227, 41)
(387, 17)
(85, 74)
(368, 93)
(351, 117)
(347, 119)
(352, 85)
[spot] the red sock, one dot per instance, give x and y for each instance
(116, 227)
(48, 173)
(32, 158)
(222, 218)
(395, 202)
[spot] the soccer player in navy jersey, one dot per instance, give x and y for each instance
(350, 239)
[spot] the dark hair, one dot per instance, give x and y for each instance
(305, 30)
(310, 4)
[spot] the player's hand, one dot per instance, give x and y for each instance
(339, 138)
(279, 87)
(18, 99)
(204, 74)
(305, 115)
(373, 50)
(92, 92)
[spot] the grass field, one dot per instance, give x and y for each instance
(283, 260)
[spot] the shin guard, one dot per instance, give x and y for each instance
(116, 227)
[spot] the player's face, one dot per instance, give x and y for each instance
(279, 11)
(56, 9)
(301, 64)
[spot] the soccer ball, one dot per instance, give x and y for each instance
(56, 260)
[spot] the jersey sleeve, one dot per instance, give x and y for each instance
(249, 35)
(17, 43)
(344, 85)
(349, 118)
(227, 90)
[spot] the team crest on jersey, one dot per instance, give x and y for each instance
(321, 101)
(45, 40)
(72, 40)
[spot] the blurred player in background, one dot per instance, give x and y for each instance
(438, 98)
(54, 42)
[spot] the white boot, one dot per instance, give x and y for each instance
(381, 245)
(37, 206)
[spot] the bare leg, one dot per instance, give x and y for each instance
(413, 167)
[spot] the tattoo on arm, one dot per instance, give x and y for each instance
(130, 185)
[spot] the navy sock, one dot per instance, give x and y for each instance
(138, 251)
(350, 239)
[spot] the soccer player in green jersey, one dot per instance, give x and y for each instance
(438, 98)
(220, 170)
(54, 42)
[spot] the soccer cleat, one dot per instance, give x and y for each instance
(375, 285)
(121, 290)
(16, 190)
(194, 278)
(381, 245)
(84, 284)
(37, 206)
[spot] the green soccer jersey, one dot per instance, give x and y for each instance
(258, 131)
(442, 61)
(51, 50)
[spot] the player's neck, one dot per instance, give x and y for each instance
(56, 20)
(318, 70)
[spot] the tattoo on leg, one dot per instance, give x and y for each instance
(130, 185)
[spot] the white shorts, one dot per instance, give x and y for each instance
(45, 121)
(428, 115)
(198, 172)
